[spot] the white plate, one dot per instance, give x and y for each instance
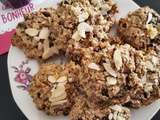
(20, 71)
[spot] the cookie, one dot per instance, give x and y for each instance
(86, 20)
(33, 35)
(146, 77)
(114, 74)
(101, 78)
(94, 22)
(83, 110)
(140, 28)
(48, 88)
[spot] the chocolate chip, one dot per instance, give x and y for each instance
(105, 118)
(65, 113)
(104, 92)
(46, 14)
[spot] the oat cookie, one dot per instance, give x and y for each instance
(140, 28)
(91, 21)
(48, 88)
(147, 79)
(104, 73)
(83, 110)
(116, 75)
(33, 35)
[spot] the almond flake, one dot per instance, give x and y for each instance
(40, 46)
(56, 99)
(120, 117)
(155, 60)
(109, 69)
(117, 59)
(83, 28)
(94, 66)
(150, 66)
(83, 16)
(97, 3)
(76, 36)
(148, 87)
(60, 90)
(59, 102)
(116, 108)
(110, 116)
(111, 81)
(58, 93)
(153, 32)
(31, 32)
(36, 38)
(77, 10)
(51, 79)
(48, 52)
(149, 18)
(44, 33)
(62, 79)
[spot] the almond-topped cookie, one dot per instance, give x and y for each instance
(49, 88)
(94, 20)
(84, 110)
(114, 74)
(147, 79)
(140, 28)
(33, 35)
(82, 23)
(104, 79)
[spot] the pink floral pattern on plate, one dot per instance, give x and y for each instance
(23, 76)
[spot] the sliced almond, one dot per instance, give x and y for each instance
(51, 79)
(76, 10)
(150, 66)
(102, 20)
(59, 98)
(59, 102)
(83, 16)
(155, 60)
(40, 46)
(116, 108)
(94, 66)
(97, 3)
(48, 52)
(58, 94)
(80, 13)
(62, 79)
(111, 81)
(105, 7)
(76, 36)
(62, 97)
(117, 59)
(110, 117)
(152, 31)
(58, 91)
(149, 18)
(109, 69)
(148, 87)
(44, 33)
(31, 32)
(36, 38)
(83, 28)
(144, 78)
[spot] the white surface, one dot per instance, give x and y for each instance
(24, 101)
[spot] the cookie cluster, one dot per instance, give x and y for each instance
(104, 75)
